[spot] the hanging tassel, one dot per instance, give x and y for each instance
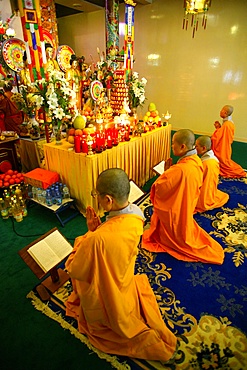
(193, 34)
(183, 23)
(205, 23)
(203, 20)
(192, 20)
(186, 27)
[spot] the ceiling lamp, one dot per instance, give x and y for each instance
(195, 8)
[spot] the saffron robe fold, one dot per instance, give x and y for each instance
(210, 196)
(222, 140)
(173, 229)
(116, 309)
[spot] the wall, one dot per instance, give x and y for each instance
(192, 78)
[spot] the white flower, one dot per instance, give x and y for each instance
(59, 113)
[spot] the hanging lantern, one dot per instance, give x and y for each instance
(193, 9)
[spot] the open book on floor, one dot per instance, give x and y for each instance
(50, 250)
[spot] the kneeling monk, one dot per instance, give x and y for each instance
(210, 196)
(116, 309)
(174, 196)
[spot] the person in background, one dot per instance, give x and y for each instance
(210, 196)
(116, 309)
(222, 139)
(51, 64)
(174, 196)
(12, 116)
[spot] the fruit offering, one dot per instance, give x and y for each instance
(11, 178)
(152, 116)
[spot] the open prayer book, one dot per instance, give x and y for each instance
(50, 250)
(159, 168)
(135, 192)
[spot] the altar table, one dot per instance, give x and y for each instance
(31, 153)
(79, 171)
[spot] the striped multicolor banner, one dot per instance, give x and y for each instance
(33, 37)
(129, 40)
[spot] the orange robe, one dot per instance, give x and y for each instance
(222, 139)
(116, 309)
(210, 196)
(173, 229)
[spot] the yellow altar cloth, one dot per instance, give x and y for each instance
(136, 157)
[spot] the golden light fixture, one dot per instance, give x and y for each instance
(195, 8)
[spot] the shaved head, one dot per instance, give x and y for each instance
(204, 141)
(114, 182)
(228, 109)
(186, 137)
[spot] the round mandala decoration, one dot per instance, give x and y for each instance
(96, 88)
(64, 53)
(13, 50)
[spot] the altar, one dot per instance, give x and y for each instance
(79, 171)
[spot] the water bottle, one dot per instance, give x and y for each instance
(53, 194)
(48, 198)
(30, 191)
(66, 194)
(34, 191)
(39, 195)
(59, 198)
(43, 196)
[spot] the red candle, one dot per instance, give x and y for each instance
(127, 134)
(77, 144)
(84, 144)
(109, 141)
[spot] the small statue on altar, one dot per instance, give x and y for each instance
(25, 78)
(74, 77)
(51, 64)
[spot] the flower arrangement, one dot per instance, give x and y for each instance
(25, 101)
(136, 90)
(5, 31)
(56, 98)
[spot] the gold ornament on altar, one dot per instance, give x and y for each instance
(130, 2)
(166, 116)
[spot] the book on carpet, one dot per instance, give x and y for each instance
(159, 168)
(135, 192)
(50, 250)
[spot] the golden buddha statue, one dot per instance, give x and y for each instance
(25, 78)
(74, 77)
(51, 64)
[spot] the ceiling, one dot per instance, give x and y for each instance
(70, 7)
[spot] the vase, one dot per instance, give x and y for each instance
(57, 133)
(34, 129)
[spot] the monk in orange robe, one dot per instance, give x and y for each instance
(174, 196)
(222, 139)
(210, 196)
(116, 309)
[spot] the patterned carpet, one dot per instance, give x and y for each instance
(204, 305)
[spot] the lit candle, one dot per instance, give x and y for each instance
(84, 144)
(77, 144)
